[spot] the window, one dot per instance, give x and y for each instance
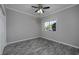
(50, 26)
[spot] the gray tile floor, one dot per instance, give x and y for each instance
(39, 46)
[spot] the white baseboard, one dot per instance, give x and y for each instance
(45, 38)
(21, 40)
(62, 42)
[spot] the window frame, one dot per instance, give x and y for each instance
(50, 29)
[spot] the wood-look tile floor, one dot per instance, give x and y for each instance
(39, 46)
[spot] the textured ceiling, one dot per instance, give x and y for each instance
(26, 8)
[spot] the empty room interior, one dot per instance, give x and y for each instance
(39, 29)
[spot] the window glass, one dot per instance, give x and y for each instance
(50, 26)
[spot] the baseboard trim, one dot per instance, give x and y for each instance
(21, 40)
(45, 38)
(62, 42)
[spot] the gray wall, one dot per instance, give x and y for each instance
(2, 31)
(20, 26)
(67, 27)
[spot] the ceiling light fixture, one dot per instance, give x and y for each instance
(40, 11)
